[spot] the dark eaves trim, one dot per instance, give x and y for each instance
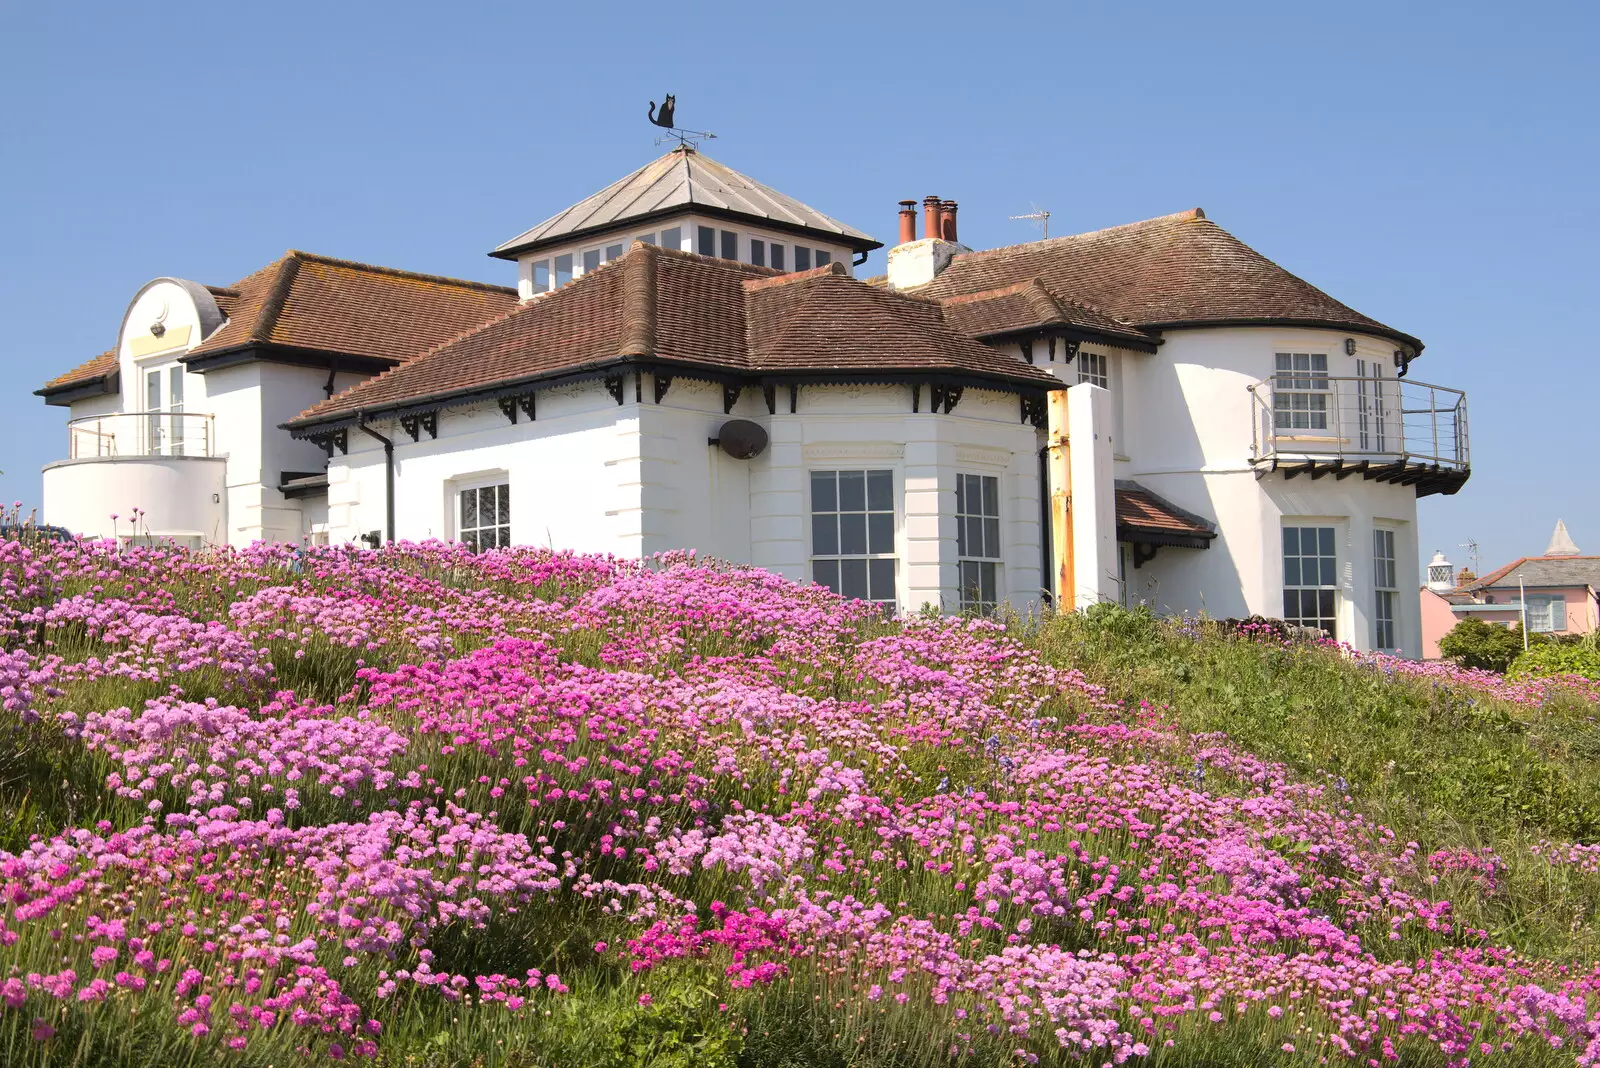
(315, 426)
(1073, 333)
(1321, 324)
(636, 222)
(250, 351)
(72, 392)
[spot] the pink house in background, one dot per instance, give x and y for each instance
(1558, 591)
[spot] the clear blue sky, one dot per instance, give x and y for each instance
(1432, 165)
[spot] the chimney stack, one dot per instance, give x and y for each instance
(932, 217)
(948, 219)
(908, 221)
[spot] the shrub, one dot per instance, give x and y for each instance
(1559, 658)
(1472, 643)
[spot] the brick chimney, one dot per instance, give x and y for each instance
(913, 262)
(908, 221)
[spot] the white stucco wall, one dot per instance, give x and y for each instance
(1188, 436)
(181, 496)
(639, 478)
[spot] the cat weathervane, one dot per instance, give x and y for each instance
(664, 119)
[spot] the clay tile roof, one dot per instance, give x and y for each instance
(89, 371)
(1176, 270)
(1143, 516)
(1542, 571)
(683, 180)
(705, 314)
(826, 321)
(1028, 305)
(316, 302)
(323, 304)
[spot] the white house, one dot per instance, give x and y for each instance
(1150, 413)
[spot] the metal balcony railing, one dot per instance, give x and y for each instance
(1390, 429)
(132, 434)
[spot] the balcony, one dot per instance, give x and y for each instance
(1383, 429)
(162, 463)
(126, 434)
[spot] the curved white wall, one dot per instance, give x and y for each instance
(182, 496)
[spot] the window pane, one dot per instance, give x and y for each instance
(504, 497)
(853, 578)
(852, 491)
(175, 389)
(880, 491)
(991, 496)
(706, 241)
(1328, 576)
(777, 256)
(469, 509)
(991, 537)
(591, 260)
(613, 252)
(823, 257)
(541, 276)
(824, 534)
(730, 245)
(826, 573)
(758, 252)
(881, 573)
(1291, 541)
(990, 592)
(852, 534)
(471, 540)
(880, 532)
(802, 258)
(1291, 571)
(563, 270)
(962, 541)
(152, 391)
(672, 238)
(824, 492)
(646, 239)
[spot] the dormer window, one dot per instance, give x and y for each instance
(758, 252)
(778, 256)
(802, 258)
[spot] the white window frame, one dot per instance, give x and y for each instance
(982, 556)
(1385, 588)
(839, 557)
(1300, 395)
(164, 422)
(534, 286)
(1327, 589)
(476, 484)
(1541, 619)
(1094, 368)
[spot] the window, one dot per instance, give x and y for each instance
(486, 516)
(646, 239)
(614, 252)
(777, 256)
(730, 245)
(1370, 405)
(705, 241)
(978, 540)
(1385, 588)
(591, 260)
(540, 276)
(758, 252)
(1300, 391)
(1093, 368)
(563, 270)
(672, 238)
(852, 534)
(163, 405)
(802, 258)
(823, 257)
(1547, 613)
(1310, 578)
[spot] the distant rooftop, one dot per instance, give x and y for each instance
(683, 180)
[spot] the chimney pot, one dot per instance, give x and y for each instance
(908, 221)
(948, 213)
(932, 217)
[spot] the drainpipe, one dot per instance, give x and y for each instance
(388, 473)
(1060, 450)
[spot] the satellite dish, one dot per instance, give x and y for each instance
(741, 439)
